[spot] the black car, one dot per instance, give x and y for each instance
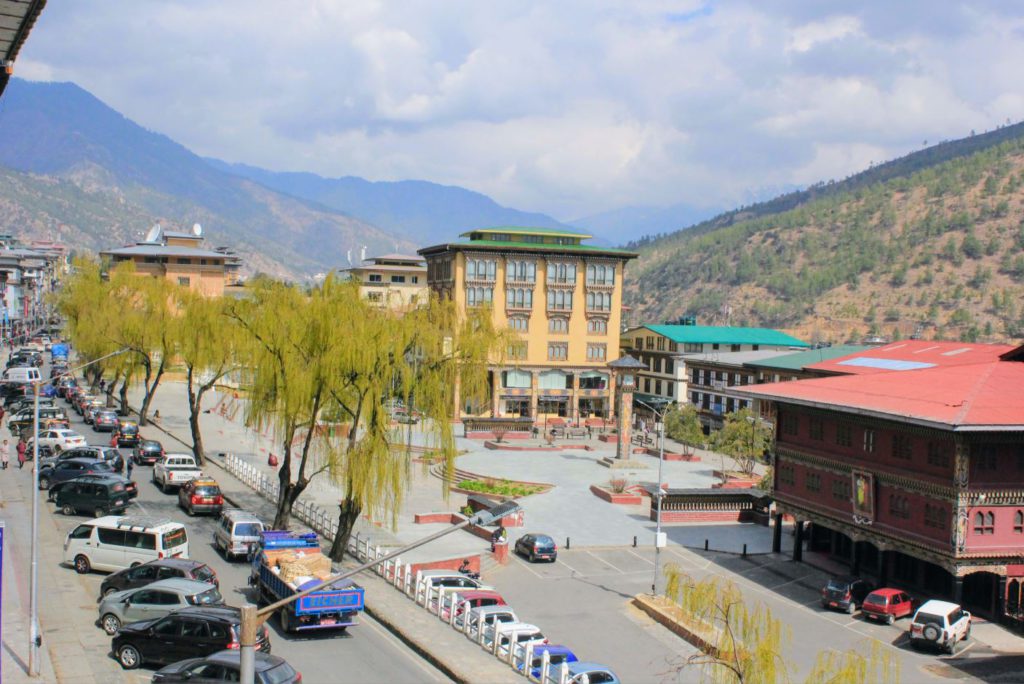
(845, 593)
(127, 433)
(147, 452)
(224, 666)
(537, 547)
(69, 469)
(153, 571)
(95, 496)
(131, 488)
(192, 632)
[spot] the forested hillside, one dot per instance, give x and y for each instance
(937, 252)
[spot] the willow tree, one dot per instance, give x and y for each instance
(422, 357)
(877, 666)
(284, 349)
(207, 347)
(90, 313)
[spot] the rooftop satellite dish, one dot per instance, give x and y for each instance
(154, 234)
(197, 230)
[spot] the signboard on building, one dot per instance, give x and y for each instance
(863, 497)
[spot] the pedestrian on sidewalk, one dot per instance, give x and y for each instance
(103, 384)
(21, 453)
(5, 455)
(129, 466)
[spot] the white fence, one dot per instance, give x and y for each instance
(437, 600)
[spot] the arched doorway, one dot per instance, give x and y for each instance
(980, 593)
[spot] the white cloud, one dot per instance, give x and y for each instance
(571, 108)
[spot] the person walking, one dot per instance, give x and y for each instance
(129, 466)
(5, 455)
(21, 453)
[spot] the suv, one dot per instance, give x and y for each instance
(237, 532)
(96, 496)
(165, 568)
(537, 547)
(104, 420)
(108, 454)
(201, 495)
(153, 601)
(191, 632)
(940, 623)
(69, 469)
(845, 593)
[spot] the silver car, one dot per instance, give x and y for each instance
(154, 601)
(236, 532)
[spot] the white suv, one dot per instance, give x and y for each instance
(940, 623)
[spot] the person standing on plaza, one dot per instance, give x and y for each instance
(5, 455)
(21, 453)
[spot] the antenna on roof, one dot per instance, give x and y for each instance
(154, 234)
(362, 253)
(348, 257)
(197, 230)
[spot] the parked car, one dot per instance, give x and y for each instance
(519, 634)
(201, 495)
(225, 666)
(80, 399)
(174, 470)
(160, 569)
(845, 593)
(57, 440)
(98, 497)
(108, 454)
(131, 489)
(65, 384)
(236, 532)
(940, 624)
(104, 420)
(91, 408)
(537, 547)
(15, 406)
(126, 433)
(592, 673)
(147, 452)
(153, 601)
(556, 655)
(115, 542)
(192, 632)
(475, 597)
(51, 416)
(489, 616)
(70, 468)
(887, 605)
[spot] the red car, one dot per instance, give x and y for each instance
(887, 605)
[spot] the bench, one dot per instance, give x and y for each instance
(576, 433)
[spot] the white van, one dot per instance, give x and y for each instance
(21, 374)
(115, 542)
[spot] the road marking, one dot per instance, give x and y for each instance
(572, 569)
(602, 560)
(526, 565)
(402, 648)
(640, 557)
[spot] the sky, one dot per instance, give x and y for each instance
(568, 107)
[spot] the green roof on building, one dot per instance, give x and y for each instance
(798, 360)
(528, 230)
(713, 334)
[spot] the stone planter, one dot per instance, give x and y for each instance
(732, 480)
(624, 498)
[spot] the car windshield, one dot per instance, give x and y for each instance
(206, 598)
(555, 659)
(279, 675)
(877, 599)
(151, 446)
(204, 574)
(175, 538)
(101, 465)
(928, 619)
(248, 529)
(208, 490)
(838, 585)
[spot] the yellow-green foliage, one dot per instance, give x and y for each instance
(851, 667)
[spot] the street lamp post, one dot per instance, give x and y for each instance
(659, 539)
(35, 635)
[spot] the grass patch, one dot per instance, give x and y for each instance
(500, 487)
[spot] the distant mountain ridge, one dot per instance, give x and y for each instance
(420, 211)
(623, 225)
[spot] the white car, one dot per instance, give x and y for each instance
(58, 440)
(941, 624)
(175, 470)
(521, 632)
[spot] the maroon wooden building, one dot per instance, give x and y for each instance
(913, 477)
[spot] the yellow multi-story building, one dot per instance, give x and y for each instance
(562, 297)
(181, 258)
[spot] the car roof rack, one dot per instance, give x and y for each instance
(133, 521)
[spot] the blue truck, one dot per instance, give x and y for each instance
(333, 607)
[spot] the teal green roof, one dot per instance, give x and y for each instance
(798, 360)
(529, 230)
(712, 334)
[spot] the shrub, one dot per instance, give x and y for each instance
(618, 484)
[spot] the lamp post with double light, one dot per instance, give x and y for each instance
(659, 537)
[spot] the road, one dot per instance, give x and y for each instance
(367, 653)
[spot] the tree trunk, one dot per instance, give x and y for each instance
(194, 407)
(124, 397)
(150, 391)
(348, 515)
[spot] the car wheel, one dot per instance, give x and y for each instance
(109, 590)
(533, 558)
(110, 623)
(99, 513)
(44, 482)
(931, 633)
(129, 657)
(67, 509)
(889, 619)
(286, 622)
(852, 608)
(82, 565)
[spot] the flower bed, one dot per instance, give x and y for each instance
(621, 498)
(497, 487)
(734, 480)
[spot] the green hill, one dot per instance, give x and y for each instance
(927, 244)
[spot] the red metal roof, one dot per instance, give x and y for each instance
(907, 355)
(975, 396)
